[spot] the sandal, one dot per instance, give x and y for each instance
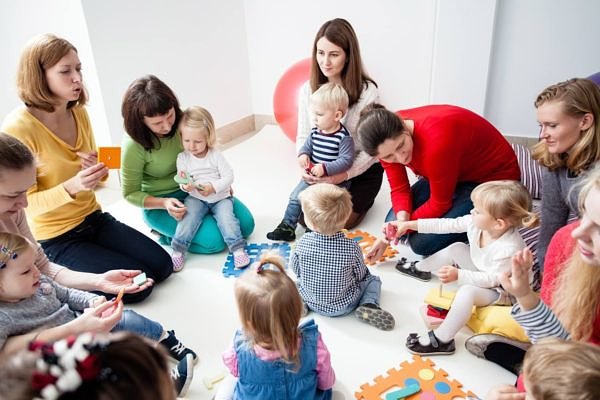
(435, 345)
(412, 271)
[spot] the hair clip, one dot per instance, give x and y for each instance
(10, 253)
(66, 364)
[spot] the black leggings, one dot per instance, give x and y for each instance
(364, 188)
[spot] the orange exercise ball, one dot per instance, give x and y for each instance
(285, 98)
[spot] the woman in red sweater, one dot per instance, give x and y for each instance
(452, 149)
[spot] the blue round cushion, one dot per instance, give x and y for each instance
(208, 239)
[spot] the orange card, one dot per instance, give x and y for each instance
(110, 156)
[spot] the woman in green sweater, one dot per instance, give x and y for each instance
(151, 115)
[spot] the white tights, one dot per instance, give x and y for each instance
(467, 296)
(457, 253)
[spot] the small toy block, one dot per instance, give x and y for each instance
(421, 372)
(110, 156)
(440, 298)
(390, 232)
(255, 251)
(431, 322)
(210, 380)
(140, 279)
(366, 241)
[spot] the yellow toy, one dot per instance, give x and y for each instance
(440, 298)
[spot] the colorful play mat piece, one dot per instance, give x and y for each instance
(365, 240)
(432, 384)
(255, 251)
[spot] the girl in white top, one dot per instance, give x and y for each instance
(203, 172)
(500, 208)
(336, 59)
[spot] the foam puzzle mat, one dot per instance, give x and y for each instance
(255, 251)
(425, 381)
(365, 240)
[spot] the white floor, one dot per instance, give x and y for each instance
(198, 302)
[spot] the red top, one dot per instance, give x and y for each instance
(559, 251)
(451, 145)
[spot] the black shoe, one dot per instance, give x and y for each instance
(412, 271)
(282, 232)
(177, 350)
(435, 345)
(506, 352)
(182, 375)
(372, 314)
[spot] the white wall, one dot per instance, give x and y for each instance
(21, 20)
(198, 48)
(538, 43)
(417, 51)
(488, 55)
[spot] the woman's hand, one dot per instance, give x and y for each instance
(448, 273)
(333, 179)
(174, 207)
(87, 159)
(516, 282)
(112, 281)
(86, 179)
(100, 319)
(376, 251)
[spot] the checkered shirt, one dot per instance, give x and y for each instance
(329, 269)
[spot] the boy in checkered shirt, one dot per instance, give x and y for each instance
(333, 279)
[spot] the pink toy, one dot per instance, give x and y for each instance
(390, 233)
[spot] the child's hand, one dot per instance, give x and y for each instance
(318, 170)
(303, 161)
(505, 392)
(448, 273)
(96, 301)
(100, 319)
(376, 251)
(187, 187)
(405, 226)
(205, 189)
(516, 282)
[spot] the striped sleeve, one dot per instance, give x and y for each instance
(539, 322)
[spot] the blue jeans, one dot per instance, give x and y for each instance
(197, 209)
(428, 243)
(101, 243)
(208, 239)
(371, 292)
(294, 209)
(136, 323)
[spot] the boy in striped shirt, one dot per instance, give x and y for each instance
(328, 150)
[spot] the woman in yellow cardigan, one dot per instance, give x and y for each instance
(65, 216)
